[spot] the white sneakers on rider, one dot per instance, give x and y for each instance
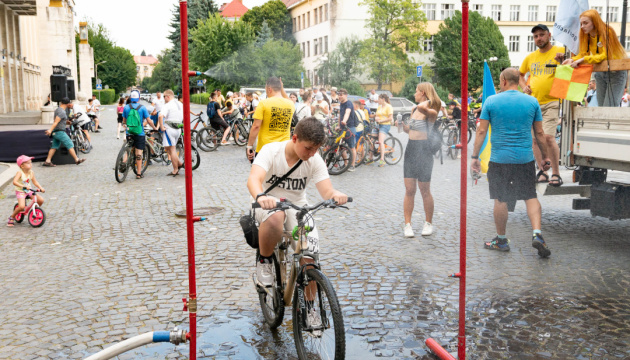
(314, 321)
(264, 274)
(427, 230)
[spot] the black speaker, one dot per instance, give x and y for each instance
(70, 89)
(58, 87)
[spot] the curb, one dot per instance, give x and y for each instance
(7, 175)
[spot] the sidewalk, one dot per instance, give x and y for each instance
(7, 172)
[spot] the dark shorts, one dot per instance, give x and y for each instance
(511, 182)
(139, 141)
(418, 161)
(120, 118)
(218, 124)
(352, 139)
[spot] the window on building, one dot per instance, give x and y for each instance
(303, 21)
(513, 44)
(308, 49)
(515, 10)
(427, 44)
(531, 46)
(294, 23)
(137, 68)
(447, 11)
(627, 43)
(325, 12)
(429, 11)
(146, 68)
(325, 44)
(315, 47)
(478, 8)
(308, 75)
(496, 12)
(303, 50)
(532, 13)
(551, 14)
(315, 17)
(308, 19)
(612, 13)
(321, 13)
(598, 9)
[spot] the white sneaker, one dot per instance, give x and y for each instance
(314, 321)
(264, 274)
(408, 231)
(427, 229)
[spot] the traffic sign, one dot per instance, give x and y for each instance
(99, 81)
(99, 86)
(419, 71)
(200, 83)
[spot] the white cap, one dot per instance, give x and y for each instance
(135, 95)
(229, 93)
(319, 96)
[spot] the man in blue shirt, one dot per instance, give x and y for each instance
(511, 171)
(139, 140)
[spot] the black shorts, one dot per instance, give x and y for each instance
(120, 118)
(511, 182)
(139, 141)
(218, 124)
(418, 161)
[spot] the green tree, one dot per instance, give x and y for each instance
(353, 87)
(264, 35)
(343, 64)
(394, 27)
(216, 39)
(197, 10)
(276, 15)
(485, 41)
(411, 82)
(165, 74)
(143, 53)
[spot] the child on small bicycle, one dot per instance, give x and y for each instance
(24, 178)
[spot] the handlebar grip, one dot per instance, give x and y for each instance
(255, 205)
(349, 199)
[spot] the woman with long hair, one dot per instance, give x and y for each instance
(599, 42)
(119, 111)
(418, 163)
(384, 117)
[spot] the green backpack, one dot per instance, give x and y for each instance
(134, 120)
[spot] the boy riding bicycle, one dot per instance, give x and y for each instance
(23, 180)
(272, 163)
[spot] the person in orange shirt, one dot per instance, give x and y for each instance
(599, 42)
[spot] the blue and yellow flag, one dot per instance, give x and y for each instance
(488, 90)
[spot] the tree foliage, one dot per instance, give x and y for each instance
(394, 27)
(143, 53)
(166, 74)
(277, 17)
(485, 41)
(197, 10)
(343, 64)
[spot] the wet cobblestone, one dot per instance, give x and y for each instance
(110, 263)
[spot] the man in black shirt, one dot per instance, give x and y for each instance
(457, 112)
(348, 118)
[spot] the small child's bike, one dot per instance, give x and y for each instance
(35, 214)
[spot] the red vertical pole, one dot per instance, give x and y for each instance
(461, 339)
(192, 300)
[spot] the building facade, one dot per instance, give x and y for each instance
(145, 66)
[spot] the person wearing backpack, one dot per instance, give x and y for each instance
(418, 163)
(216, 119)
(135, 116)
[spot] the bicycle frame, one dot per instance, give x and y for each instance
(288, 284)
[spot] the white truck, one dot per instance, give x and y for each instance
(595, 142)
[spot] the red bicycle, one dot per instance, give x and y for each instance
(35, 214)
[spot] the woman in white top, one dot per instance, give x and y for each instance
(320, 108)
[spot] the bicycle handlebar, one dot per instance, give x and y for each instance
(31, 190)
(284, 204)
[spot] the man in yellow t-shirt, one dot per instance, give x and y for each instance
(272, 118)
(538, 85)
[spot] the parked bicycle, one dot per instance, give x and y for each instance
(318, 327)
(33, 212)
(368, 147)
(78, 137)
(336, 152)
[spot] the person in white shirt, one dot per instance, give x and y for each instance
(91, 110)
(625, 99)
(97, 109)
(171, 114)
(373, 100)
(158, 102)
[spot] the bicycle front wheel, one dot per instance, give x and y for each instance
(272, 302)
(338, 159)
(393, 150)
(241, 134)
(362, 148)
(453, 139)
(317, 319)
(121, 169)
(196, 159)
(210, 138)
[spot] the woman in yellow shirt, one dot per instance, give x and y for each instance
(384, 117)
(599, 42)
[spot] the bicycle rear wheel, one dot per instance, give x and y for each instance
(210, 138)
(121, 169)
(362, 148)
(338, 159)
(272, 305)
(241, 135)
(312, 340)
(393, 150)
(453, 139)
(196, 159)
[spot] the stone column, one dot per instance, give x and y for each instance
(7, 43)
(19, 86)
(86, 64)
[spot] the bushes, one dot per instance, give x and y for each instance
(107, 96)
(353, 87)
(199, 98)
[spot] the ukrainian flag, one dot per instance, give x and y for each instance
(488, 90)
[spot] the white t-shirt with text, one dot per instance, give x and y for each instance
(273, 160)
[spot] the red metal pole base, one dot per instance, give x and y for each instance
(438, 350)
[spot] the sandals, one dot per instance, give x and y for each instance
(173, 175)
(80, 161)
(48, 164)
(543, 174)
(555, 181)
(11, 222)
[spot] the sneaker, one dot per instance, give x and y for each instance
(264, 274)
(408, 231)
(351, 169)
(539, 244)
(427, 229)
(11, 222)
(314, 321)
(495, 245)
(381, 163)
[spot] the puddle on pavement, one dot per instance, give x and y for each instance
(243, 336)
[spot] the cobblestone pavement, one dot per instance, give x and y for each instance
(110, 263)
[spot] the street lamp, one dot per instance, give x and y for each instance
(96, 70)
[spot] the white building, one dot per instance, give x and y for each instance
(319, 25)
